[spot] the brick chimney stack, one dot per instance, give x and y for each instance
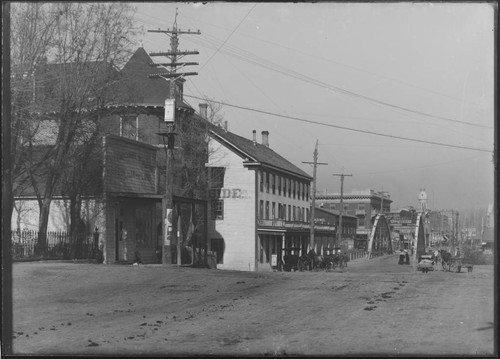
(203, 110)
(254, 137)
(265, 138)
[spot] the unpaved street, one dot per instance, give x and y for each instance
(376, 307)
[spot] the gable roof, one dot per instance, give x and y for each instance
(87, 81)
(256, 153)
(137, 89)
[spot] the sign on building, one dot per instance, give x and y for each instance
(169, 110)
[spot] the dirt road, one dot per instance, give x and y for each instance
(376, 307)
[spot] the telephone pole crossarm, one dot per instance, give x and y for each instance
(171, 75)
(177, 31)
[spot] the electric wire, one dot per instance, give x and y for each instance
(290, 73)
(343, 127)
(253, 59)
(227, 38)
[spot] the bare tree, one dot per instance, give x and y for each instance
(191, 174)
(65, 57)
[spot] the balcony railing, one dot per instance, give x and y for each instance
(277, 222)
(360, 211)
(281, 223)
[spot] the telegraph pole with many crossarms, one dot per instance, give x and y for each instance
(173, 76)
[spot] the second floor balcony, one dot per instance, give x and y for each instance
(278, 223)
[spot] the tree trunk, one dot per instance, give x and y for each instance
(41, 245)
(76, 226)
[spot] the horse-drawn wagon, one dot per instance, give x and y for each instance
(468, 263)
(327, 261)
(292, 261)
(425, 263)
(449, 262)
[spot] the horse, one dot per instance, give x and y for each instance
(317, 261)
(444, 257)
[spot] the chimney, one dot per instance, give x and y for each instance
(225, 126)
(265, 138)
(254, 137)
(203, 110)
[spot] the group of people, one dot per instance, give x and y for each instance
(404, 257)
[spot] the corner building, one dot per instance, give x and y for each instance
(259, 203)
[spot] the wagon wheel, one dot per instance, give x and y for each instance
(302, 265)
(334, 264)
(329, 266)
(445, 266)
(321, 265)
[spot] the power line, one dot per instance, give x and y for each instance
(247, 57)
(280, 69)
(231, 34)
(343, 127)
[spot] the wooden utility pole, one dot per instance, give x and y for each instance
(315, 164)
(342, 175)
(7, 198)
(172, 76)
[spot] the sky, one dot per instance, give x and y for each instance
(399, 95)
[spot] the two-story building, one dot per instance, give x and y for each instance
(327, 241)
(124, 206)
(362, 204)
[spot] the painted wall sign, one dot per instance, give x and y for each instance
(168, 227)
(401, 220)
(224, 193)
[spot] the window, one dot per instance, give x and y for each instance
(261, 209)
(284, 187)
(217, 177)
(267, 209)
(217, 245)
(307, 192)
(218, 209)
(279, 185)
(267, 182)
(273, 183)
(308, 218)
(289, 188)
(129, 128)
(274, 210)
(289, 212)
(294, 213)
(261, 175)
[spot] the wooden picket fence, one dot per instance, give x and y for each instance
(59, 245)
